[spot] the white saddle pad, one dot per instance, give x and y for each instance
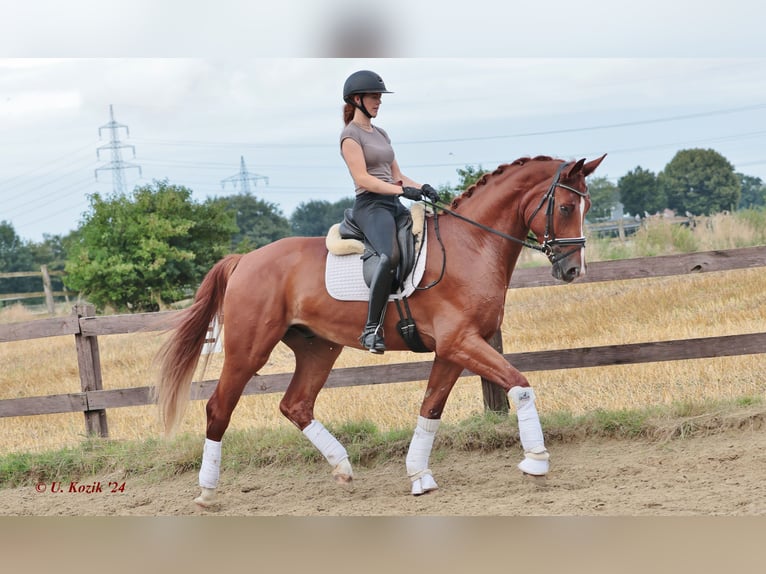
(345, 281)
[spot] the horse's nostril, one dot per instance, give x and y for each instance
(573, 272)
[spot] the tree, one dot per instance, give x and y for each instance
(700, 181)
(604, 197)
(314, 218)
(640, 192)
(15, 255)
(753, 192)
(19, 255)
(139, 251)
(468, 176)
(51, 251)
(258, 222)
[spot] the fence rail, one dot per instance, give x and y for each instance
(47, 291)
(93, 400)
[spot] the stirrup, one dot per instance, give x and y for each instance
(372, 339)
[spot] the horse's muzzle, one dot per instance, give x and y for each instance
(565, 271)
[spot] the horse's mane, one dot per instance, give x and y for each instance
(500, 169)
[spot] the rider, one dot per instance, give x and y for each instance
(379, 182)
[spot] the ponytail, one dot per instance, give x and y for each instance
(348, 113)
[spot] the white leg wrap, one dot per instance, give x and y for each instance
(211, 464)
(530, 431)
(327, 444)
(419, 454)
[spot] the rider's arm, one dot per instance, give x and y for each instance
(399, 176)
(354, 158)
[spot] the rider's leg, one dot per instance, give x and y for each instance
(374, 214)
(380, 289)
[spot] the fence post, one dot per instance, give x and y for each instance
(48, 290)
(89, 364)
(495, 398)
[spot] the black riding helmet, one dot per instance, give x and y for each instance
(363, 82)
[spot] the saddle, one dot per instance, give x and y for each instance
(345, 238)
(348, 229)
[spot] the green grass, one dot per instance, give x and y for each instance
(155, 459)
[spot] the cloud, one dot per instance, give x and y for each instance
(34, 106)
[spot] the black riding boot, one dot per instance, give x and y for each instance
(380, 289)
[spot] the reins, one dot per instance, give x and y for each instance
(549, 239)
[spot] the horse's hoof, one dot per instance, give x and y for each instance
(534, 466)
(423, 485)
(343, 479)
(342, 473)
(207, 499)
(345, 482)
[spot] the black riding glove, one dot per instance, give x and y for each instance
(412, 193)
(430, 193)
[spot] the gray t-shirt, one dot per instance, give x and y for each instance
(377, 150)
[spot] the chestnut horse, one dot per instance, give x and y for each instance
(277, 293)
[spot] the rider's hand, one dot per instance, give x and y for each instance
(412, 193)
(429, 192)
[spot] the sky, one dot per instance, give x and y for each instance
(196, 91)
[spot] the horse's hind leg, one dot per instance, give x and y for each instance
(314, 358)
(240, 364)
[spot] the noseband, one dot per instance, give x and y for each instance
(549, 238)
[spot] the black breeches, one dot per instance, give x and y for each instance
(375, 215)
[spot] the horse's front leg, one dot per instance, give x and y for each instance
(440, 382)
(477, 355)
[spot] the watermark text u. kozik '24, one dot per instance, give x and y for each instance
(76, 487)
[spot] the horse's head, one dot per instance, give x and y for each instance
(556, 215)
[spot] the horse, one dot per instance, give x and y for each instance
(276, 293)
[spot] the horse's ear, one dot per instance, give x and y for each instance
(591, 166)
(575, 169)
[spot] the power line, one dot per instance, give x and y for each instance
(77, 186)
(34, 173)
(23, 190)
(598, 127)
(469, 139)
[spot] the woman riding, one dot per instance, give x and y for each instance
(379, 183)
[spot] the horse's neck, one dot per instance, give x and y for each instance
(497, 203)
(498, 206)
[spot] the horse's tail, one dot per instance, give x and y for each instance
(180, 354)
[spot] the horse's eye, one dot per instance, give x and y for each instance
(566, 209)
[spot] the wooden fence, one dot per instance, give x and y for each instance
(46, 293)
(93, 400)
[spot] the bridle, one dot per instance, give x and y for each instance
(549, 238)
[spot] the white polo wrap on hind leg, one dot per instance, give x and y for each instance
(530, 431)
(210, 470)
(328, 445)
(419, 454)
